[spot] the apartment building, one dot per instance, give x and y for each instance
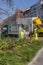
(26, 12)
(35, 11)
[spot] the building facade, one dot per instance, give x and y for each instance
(35, 11)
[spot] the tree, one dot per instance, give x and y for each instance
(6, 12)
(10, 5)
(9, 2)
(19, 14)
(3, 13)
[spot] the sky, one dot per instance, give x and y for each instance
(20, 4)
(23, 4)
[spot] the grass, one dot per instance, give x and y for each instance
(18, 52)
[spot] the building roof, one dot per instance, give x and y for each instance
(26, 10)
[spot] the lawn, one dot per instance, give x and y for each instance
(18, 52)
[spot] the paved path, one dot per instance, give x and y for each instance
(38, 60)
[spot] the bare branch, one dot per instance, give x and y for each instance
(4, 12)
(9, 2)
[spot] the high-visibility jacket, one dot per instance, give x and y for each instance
(21, 32)
(36, 33)
(35, 30)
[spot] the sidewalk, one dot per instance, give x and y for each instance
(38, 60)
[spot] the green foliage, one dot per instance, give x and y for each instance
(18, 51)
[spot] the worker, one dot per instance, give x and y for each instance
(36, 33)
(21, 32)
(30, 36)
